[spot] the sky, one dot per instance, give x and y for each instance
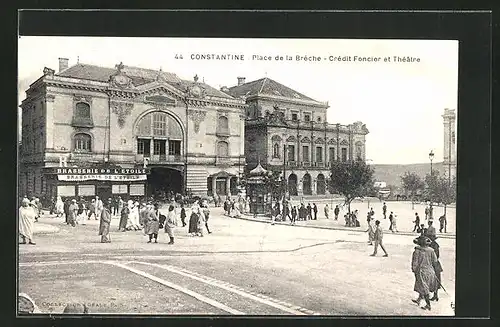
(401, 103)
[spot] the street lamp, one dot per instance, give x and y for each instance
(431, 156)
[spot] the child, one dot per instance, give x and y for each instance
(183, 215)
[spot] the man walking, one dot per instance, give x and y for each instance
(391, 216)
(309, 211)
(327, 210)
(384, 210)
(442, 223)
(417, 222)
(377, 237)
(315, 210)
(336, 211)
(294, 215)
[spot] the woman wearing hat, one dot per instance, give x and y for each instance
(424, 261)
(26, 220)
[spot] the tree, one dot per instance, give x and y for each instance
(412, 183)
(351, 180)
(440, 189)
(274, 184)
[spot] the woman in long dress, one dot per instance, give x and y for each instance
(26, 221)
(105, 221)
(171, 223)
(59, 207)
(370, 230)
(193, 219)
(423, 265)
(151, 223)
(122, 226)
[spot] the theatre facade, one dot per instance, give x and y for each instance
(288, 132)
(90, 130)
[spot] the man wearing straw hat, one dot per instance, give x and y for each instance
(424, 261)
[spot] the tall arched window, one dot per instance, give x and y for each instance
(82, 142)
(81, 115)
(82, 110)
(222, 149)
(223, 125)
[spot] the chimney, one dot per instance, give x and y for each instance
(63, 64)
(241, 80)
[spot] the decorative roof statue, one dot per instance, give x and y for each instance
(196, 78)
(120, 66)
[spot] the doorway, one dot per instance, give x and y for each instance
(163, 181)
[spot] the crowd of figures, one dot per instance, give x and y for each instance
(134, 216)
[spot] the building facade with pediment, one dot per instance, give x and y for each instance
(288, 131)
(128, 131)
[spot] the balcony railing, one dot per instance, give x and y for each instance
(160, 158)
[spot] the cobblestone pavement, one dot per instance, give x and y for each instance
(243, 267)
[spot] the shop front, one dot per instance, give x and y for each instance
(104, 182)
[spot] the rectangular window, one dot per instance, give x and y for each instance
(319, 154)
(159, 147)
(332, 154)
(66, 190)
(344, 154)
(119, 189)
(305, 153)
(136, 189)
(159, 124)
(86, 190)
(295, 116)
(144, 147)
(174, 147)
(291, 152)
(307, 117)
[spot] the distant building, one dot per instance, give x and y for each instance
(287, 131)
(380, 184)
(449, 150)
(90, 130)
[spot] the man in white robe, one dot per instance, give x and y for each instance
(26, 221)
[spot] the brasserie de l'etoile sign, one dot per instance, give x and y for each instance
(101, 174)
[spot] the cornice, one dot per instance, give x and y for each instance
(260, 96)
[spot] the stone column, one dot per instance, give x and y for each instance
(151, 148)
(214, 185)
(228, 186)
(49, 123)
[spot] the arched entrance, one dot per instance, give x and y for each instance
(163, 181)
(320, 185)
(306, 184)
(292, 184)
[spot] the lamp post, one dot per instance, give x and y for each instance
(431, 156)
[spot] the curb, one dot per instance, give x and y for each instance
(447, 236)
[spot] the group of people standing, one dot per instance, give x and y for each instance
(426, 266)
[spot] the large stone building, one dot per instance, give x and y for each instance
(89, 130)
(288, 131)
(449, 149)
